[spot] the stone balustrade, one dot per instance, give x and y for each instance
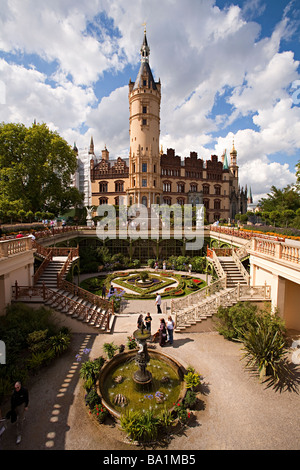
(15, 246)
(276, 250)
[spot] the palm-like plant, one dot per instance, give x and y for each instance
(264, 347)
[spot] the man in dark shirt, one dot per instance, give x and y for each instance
(19, 404)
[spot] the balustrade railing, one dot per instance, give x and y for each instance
(241, 267)
(197, 297)
(209, 306)
(84, 312)
(14, 246)
(276, 250)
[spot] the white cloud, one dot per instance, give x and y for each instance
(29, 97)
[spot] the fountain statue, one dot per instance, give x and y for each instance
(142, 375)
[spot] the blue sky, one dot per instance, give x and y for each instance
(229, 71)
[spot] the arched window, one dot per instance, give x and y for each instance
(103, 187)
(103, 200)
(205, 189)
(180, 187)
(167, 200)
(218, 190)
(144, 201)
(167, 186)
(217, 204)
(119, 186)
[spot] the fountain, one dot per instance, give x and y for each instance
(142, 375)
(139, 379)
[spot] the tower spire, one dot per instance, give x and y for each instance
(145, 49)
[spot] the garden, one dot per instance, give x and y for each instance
(143, 284)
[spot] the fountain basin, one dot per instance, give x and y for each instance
(159, 363)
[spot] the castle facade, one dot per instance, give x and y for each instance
(150, 176)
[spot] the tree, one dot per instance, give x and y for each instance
(36, 166)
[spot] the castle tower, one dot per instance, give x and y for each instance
(234, 169)
(144, 131)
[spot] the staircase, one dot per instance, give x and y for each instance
(49, 275)
(80, 309)
(71, 303)
(233, 274)
(231, 287)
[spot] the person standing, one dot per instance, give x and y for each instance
(148, 320)
(170, 329)
(140, 323)
(103, 292)
(19, 404)
(158, 302)
(162, 332)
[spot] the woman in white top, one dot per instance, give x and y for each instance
(170, 328)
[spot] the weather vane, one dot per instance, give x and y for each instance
(144, 24)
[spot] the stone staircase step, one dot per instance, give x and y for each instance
(95, 316)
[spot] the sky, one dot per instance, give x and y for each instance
(229, 72)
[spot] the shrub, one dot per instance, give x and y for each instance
(131, 342)
(192, 379)
(232, 320)
(181, 412)
(60, 343)
(92, 399)
(265, 345)
(190, 399)
(110, 349)
(39, 359)
(37, 340)
(100, 412)
(90, 369)
(140, 427)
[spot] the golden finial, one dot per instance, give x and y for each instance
(144, 24)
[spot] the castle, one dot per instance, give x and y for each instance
(150, 176)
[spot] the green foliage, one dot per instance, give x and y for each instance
(281, 205)
(110, 349)
(181, 412)
(192, 379)
(100, 412)
(131, 342)
(40, 359)
(91, 369)
(140, 427)
(60, 343)
(190, 399)
(92, 399)
(264, 345)
(262, 334)
(233, 319)
(166, 418)
(37, 340)
(5, 387)
(36, 166)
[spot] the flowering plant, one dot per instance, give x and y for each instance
(131, 342)
(100, 412)
(182, 413)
